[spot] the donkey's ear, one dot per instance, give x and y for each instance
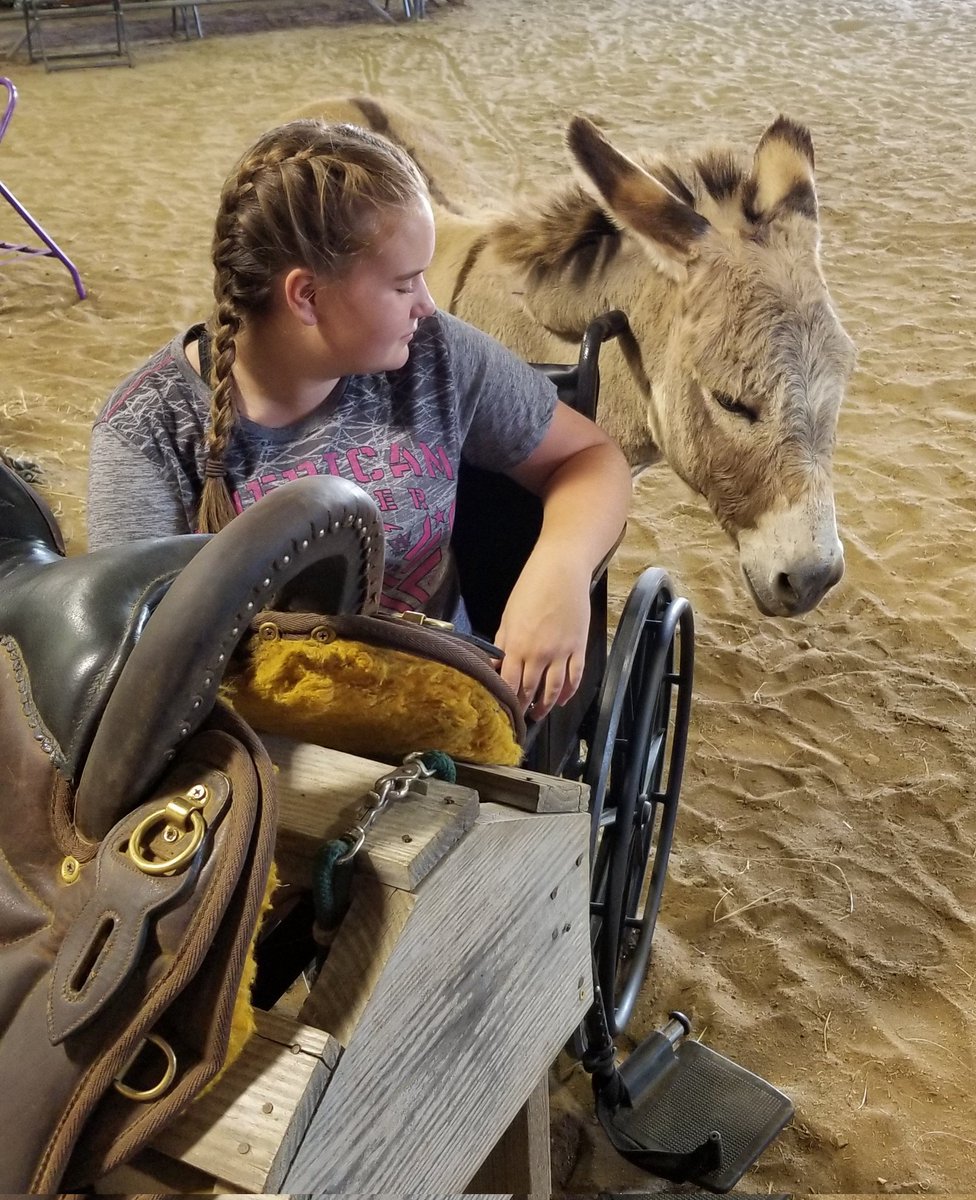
(667, 227)
(783, 171)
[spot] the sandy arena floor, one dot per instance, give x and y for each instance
(820, 915)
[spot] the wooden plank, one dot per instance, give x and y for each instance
(321, 794)
(486, 981)
(527, 790)
(153, 1174)
(520, 1164)
(246, 1128)
(357, 958)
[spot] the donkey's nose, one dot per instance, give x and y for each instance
(805, 586)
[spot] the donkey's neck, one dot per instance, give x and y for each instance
(567, 300)
(564, 304)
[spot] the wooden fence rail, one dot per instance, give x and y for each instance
(105, 20)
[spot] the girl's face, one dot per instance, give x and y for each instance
(367, 318)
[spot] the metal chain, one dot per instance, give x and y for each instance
(395, 785)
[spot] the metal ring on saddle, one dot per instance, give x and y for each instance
(158, 1089)
(166, 866)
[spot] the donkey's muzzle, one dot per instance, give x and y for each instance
(798, 590)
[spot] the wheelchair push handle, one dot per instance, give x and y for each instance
(601, 329)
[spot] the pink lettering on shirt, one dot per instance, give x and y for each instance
(254, 489)
(300, 470)
(436, 461)
(402, 462)
(358, 473)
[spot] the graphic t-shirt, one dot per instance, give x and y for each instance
(400, 435)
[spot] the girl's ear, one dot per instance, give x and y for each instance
(298, 287)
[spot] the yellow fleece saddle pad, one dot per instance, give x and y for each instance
(379, 687)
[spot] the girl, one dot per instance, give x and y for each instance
(326, 353)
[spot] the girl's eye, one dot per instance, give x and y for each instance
(731, 405)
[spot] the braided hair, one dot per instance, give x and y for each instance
(306, 194)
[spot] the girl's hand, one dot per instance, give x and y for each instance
(544, 632)
(584, 483)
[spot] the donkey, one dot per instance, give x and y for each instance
(737, 362)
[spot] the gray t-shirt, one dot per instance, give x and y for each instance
(400, 435)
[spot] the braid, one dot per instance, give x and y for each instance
(306, 194)
(216, 506)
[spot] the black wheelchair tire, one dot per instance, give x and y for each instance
(634, 763)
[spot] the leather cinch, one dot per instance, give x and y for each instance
(138, 810)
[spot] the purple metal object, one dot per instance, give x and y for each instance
(53, 249)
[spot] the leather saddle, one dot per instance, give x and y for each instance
(138, 810)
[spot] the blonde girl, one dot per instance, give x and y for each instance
(326, 354)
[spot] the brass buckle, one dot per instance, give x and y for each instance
(412, 617)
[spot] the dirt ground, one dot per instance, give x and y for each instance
(818, 924)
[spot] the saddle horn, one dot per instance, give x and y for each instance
(26, 521)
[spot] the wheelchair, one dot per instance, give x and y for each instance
(674, 1107)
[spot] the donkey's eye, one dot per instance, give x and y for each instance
(731, 405)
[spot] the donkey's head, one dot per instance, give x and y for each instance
(746, 359)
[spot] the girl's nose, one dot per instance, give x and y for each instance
(425, 306)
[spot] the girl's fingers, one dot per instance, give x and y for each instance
(574, 676)
(529, 695)
(521, 679)
(541, 684)
(551, 691)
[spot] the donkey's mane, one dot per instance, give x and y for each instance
(714, 175)
(570, 232)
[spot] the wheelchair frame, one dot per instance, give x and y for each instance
(625, 731)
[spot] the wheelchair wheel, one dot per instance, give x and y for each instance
(634, 764)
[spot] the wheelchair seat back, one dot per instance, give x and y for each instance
(497, 524)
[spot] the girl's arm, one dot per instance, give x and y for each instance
(585, 485)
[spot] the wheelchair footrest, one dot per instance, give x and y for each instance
(693, 1115)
